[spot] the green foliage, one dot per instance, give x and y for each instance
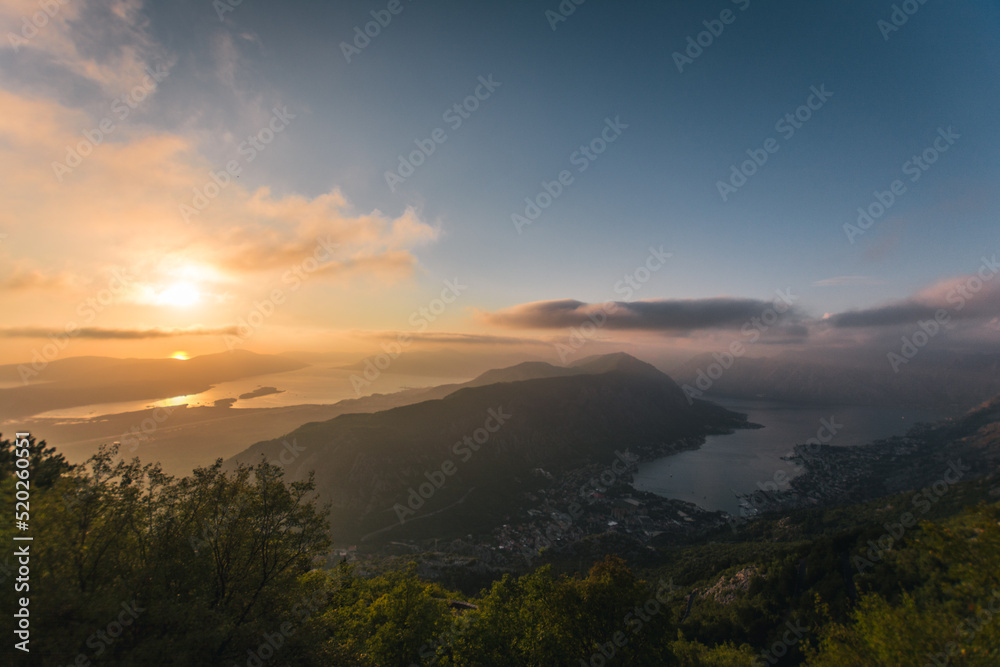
(131, 565)
(695, 654)
(952, 618)
(384, 620)
(45, 465)
(539, 619)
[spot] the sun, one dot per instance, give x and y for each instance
(182, 356)
(179, 294)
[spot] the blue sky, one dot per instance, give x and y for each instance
(656, 185)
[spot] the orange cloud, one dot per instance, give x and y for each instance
(103, 333)
(28, 279)
(66, 35)
(89, 187)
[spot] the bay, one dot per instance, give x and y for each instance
(741, 462)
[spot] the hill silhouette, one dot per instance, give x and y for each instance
(479, 445)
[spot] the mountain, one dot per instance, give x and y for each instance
(450, 361)
(81, 381)
(528, 370)
(533, 370)
(968, 446)
(196, 436)
(945, 384)
(475, 452)
(618, 361)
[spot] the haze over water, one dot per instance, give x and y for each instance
(709, 475)
(316, 384)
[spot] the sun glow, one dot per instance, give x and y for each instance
(182, 356)
(179, 294)
(174, 402)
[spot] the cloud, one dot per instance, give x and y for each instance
(276, 233)
(137, 177)
(901, 312)
(146, 175)
(97, 333)
(972, 297)
(34, 279)
(678, 315)
(452, 338)
(107, 44)
(227, 58)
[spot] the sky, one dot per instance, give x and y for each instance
(194, 177)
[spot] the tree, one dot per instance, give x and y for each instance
(132, 565)
(952, 618)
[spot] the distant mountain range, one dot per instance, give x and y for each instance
(535, 370)
(78, 381)
(476, 450)
(945, 384)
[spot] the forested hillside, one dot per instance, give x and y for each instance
(129, 566)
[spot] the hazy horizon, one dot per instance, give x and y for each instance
(376, 334)
(307, 242)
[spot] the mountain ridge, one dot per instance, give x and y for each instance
(368, 464)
